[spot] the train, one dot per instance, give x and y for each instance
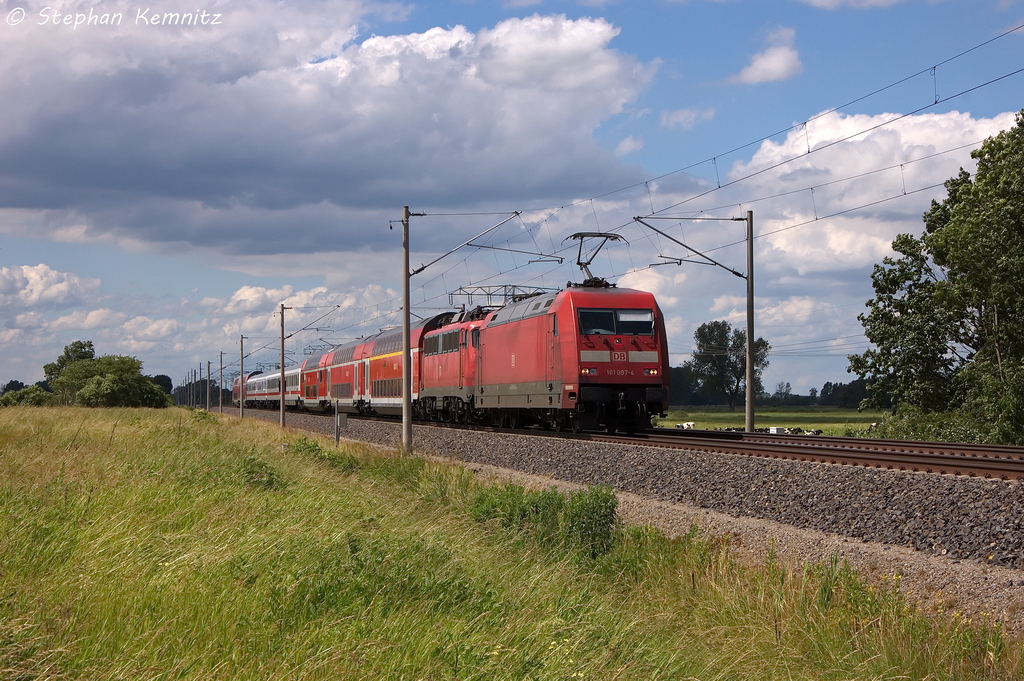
(591, 356)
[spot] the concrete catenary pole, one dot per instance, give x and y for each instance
(208, 386)
(241, 376)
(406, 350)
(220, 385)
(750, 323)
(282, 365)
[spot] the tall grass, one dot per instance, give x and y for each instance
(158, 545)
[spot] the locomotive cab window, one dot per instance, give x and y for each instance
(616, 322)
(634, 322)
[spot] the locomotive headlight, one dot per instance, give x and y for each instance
(588, 371)
(650, 372)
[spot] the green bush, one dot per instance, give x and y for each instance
(912, 423)
(121, 390)
(334, 459)
(260, 474)
(32, 396)
(588, 522)
(585, 521)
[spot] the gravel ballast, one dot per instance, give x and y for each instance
(956, 542)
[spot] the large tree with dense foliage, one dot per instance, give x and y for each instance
(719, 364)
(79, 377)
(947, 319)
(77, 350)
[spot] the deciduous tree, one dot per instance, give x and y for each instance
(719, 363)
(947, 319)
(79, 377)
(72, 353)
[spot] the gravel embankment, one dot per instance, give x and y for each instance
(953, 540)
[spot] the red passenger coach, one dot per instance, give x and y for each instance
(364, 376)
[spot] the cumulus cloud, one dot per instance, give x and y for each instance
(628, 145)
(780, 61)
(280, 131)
(145, 329)
(40, 286)
(852, 159)
(83, 320)
(877, 166)
(665, 287)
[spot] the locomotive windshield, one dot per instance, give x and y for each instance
(616, 322)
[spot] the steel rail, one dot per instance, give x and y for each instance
(1005, 462)
(990, 461)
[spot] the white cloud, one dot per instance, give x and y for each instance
(780, 61)
(666, 287)
(829, 245)
(628, 145)
(290, 129)
(30, 321)
(249, 298)
(684, 119)
(40, 286)
(81, 320)
(148, 330)
(800, 239)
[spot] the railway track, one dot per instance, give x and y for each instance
(987, 461)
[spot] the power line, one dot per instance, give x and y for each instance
(803, 124)
(832, 143)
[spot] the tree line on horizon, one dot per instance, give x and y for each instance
(717, 376)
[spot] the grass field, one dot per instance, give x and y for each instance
(180, 545)
(831, 420)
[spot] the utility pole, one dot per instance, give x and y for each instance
(283, 308)
(749, 421)
(241, 376)
(208, 385)
(406, 336)
(749, 276)
(220, 385)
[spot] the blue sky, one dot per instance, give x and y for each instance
(165, 186)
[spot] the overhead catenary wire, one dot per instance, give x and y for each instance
(554, 210)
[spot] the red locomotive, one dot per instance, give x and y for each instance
(589, 357)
